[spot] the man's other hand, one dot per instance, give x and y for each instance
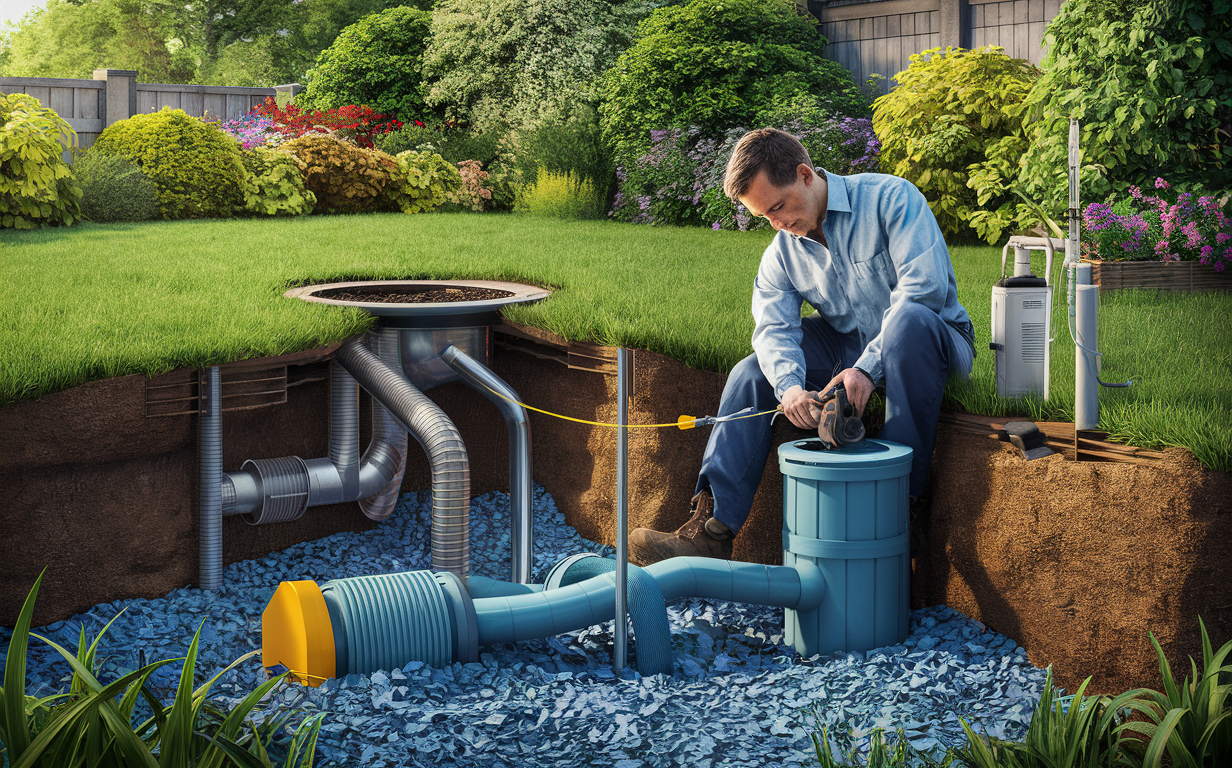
(858, 385)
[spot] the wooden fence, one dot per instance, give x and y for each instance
(880, 37)
(89, 106)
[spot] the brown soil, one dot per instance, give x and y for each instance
(411, 295)
(1074, 561)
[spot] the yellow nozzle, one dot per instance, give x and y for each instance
(296, 633)
(686, 422)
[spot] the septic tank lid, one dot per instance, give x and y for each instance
(866, 453)
(517, 293)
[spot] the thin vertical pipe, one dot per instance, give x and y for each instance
(622, 507)
(209, 533)
(1086, 371)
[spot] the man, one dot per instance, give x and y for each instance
(866, 252)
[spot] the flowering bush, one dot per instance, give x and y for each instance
(472, 194)
(250, 130)
(1164, 226)
(355, 123)
(679, 180)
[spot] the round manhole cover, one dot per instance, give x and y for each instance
(421, 298)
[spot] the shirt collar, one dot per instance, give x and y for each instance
(836, 193)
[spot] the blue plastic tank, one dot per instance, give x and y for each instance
(846, 510)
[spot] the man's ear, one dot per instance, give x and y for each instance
(805, 174)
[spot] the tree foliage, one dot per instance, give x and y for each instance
(376, 61)
(717, 63)
(1151, 85)
(36, 186)
(956, 116)
(514, 63)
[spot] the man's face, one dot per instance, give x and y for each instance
(793, 208)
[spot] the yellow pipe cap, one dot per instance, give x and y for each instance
(296, 633)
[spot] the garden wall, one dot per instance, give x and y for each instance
(1074, 561)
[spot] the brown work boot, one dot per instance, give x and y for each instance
(701, 536)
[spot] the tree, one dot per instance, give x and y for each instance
(376, 61)
(715, 64)
(515, 63)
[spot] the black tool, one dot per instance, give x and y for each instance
(838, 423)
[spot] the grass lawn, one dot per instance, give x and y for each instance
(95, 301)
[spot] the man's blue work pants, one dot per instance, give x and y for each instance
(919, 351)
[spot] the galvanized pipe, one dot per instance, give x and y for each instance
(210, 534)
(1086, 370)
(622, 507)
(487, 383)
(389, 441)
(439, 438)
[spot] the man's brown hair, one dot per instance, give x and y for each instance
(776, 152)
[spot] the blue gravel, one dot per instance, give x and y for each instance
(738, 696)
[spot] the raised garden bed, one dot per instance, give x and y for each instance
(1074, 561)
(1175, 276)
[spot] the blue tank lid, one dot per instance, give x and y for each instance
(866, 453)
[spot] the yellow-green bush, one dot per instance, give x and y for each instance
(36, 185)
(114, 188)
(559, 196)
(275, 183)
(347, 178)
(424, 181)
(197, 167)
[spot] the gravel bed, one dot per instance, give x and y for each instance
(738, 696)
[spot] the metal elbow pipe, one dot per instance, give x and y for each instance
(385, 458)
(439, 438)
(483, 380)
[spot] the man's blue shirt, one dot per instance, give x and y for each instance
(885, 250)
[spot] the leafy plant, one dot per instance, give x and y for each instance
(114, 189)
(91, 724)
(561, 196)
(899, 754)
(954, 128)
(1151, 85)
(568, 147)
(472, 195)
(717, 64)
(377, 61)
(275, 184)
(1191, 723)
(344, 177)
(196, 167)
(36, 185)
(1167, 226)
(425, 181)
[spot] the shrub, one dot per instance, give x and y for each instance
(472, 195)
(574, 147)
(956, 118)
(275, 184)
(424, 183)
(1150, 83)
(559, 196)
(196, 167)
(250, 130)
(717, 64)
(498, 64)
(359, 124)
(377, 61)
(114, 189)
(451, 142)
(343, 177)
(1169, 226)
(36, 185)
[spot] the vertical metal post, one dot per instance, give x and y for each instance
(209, 533)
(1072, 250)
(1086, 371)
(622, 507)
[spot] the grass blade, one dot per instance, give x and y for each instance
(16, 726)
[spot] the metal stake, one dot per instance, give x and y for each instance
(622, 507)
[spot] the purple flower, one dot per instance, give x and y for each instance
(1207, 251)
(716, 226)
(1219, 266)
(1222, 238)
(1135, 193)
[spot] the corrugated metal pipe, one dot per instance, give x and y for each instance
(487, 383)
(451, 474)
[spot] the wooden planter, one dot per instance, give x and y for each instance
(1174, 276)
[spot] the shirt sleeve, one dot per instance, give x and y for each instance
(777, 333)
(921, 262)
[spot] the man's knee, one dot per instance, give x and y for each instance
(914, 323)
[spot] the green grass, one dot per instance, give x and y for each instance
(96, 301)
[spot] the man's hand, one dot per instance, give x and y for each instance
(796, 407)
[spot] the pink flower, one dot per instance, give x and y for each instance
(1219, 266)
(1222, 238)
(1207, 251)
(1161, 246)
(1135, 193)
(1160, 183)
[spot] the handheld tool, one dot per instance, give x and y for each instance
(838, 423)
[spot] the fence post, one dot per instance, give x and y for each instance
(955, 23)
(285, 93)
(121, 93)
